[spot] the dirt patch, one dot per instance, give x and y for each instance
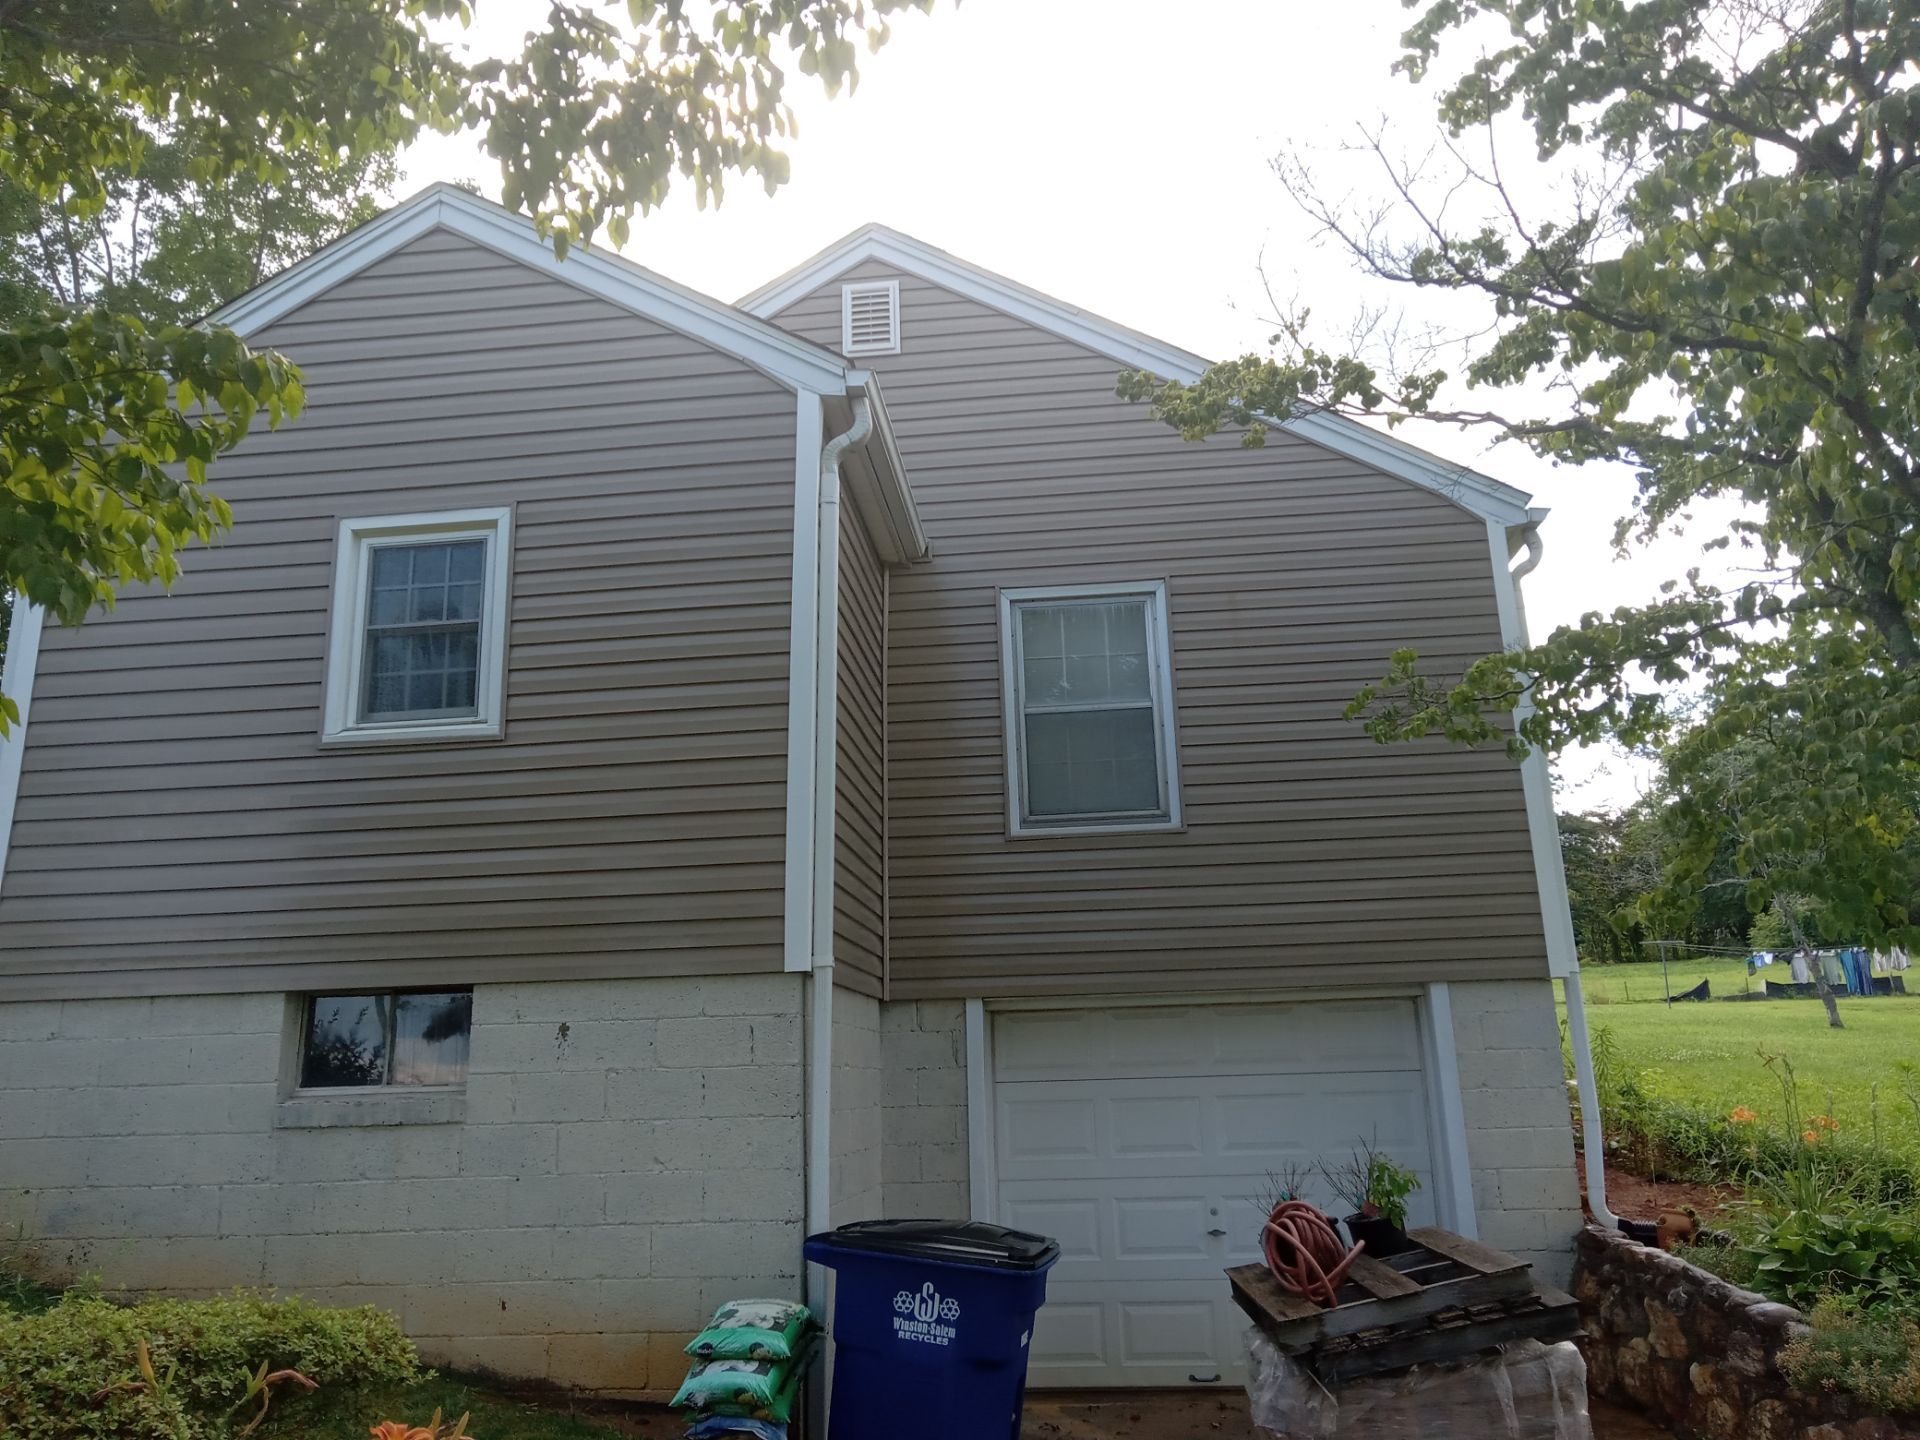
(1637, 1198)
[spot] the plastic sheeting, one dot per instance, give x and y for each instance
(1522, 1391)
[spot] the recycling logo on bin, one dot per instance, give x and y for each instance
(918, 1317)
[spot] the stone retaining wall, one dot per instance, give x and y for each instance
(1699, 1354)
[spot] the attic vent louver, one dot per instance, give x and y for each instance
(870, 318)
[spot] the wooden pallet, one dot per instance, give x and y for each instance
(1546, 1315)
(1443, 1272)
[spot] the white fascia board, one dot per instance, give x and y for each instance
(1472, 491)
(16, 681)
(776, 352)
(1536, 779)
(907, 542)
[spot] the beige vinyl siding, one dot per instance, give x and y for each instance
(181, 828)
(1311, 856)
(859, 881)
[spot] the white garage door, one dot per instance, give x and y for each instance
(1142, 1138)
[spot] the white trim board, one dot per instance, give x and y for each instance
(1481, 494)
(358, 538)
(778, 353)
(1452, 1167)
(16, 680)
(1536, 779)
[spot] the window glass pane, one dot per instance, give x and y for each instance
(346, 1041)
(430, 1038)
(466, 561)
(423, 618)
(392, 566)
(1084, 654)
(1092, 762)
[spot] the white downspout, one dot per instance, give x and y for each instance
(825, 766)
(1564, 961)
(1593, 1136)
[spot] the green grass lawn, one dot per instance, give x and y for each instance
(1708, 1055)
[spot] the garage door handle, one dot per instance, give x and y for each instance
(1216, 1233)
(1213, 1379)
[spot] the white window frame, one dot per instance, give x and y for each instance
(347, 632)
(892, 289)
(1160, 682)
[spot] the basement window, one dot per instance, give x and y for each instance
(400, 1038)
(870, 318)
(1088, 683)
(417, 644)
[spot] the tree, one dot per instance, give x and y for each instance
(169, 249)
(172, 249)
(1608, 869)
(1726, 298)
(108, 420)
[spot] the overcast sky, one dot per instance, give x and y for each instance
(1116, 154)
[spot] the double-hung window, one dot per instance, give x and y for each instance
(418, 642)
(1089, 709)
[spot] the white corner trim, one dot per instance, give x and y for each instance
(767, 347)
(981, 1178)
(802, 680)
(347, 626)
(16, 681)
(1453, 1166)
(1536, 779)
(1480, 494)
(1165, 704)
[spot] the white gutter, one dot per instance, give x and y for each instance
(1563, 959)
(826, 733)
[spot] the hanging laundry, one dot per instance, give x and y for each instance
(1832, 969)
(1802, 971)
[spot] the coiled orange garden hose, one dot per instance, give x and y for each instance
(1304, 1251)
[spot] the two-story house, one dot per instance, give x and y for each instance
(645, 778)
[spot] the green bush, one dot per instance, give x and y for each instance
(73, 1370)
(1869, 1352)
(1651, 1136)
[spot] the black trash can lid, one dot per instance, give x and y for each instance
(955, 1242)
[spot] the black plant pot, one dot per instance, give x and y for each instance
(1381, 1236)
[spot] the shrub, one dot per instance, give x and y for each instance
(74, 1370)
(1870, 1352)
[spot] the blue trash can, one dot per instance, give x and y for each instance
(931, 1324)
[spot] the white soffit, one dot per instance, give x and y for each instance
(1468, 488)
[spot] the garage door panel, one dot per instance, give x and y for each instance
(1133, 1134)
(1146, 1335)
(1091, 1129)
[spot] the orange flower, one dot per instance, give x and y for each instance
(1826, 1122)
(399, 1430)
(1741, 1115)
(1812, 1137)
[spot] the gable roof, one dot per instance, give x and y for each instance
(1481, 494)
(781, 355)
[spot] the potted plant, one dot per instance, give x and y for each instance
(1376, 1189)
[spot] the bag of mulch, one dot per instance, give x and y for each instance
(752, 1330)
(756, 1389)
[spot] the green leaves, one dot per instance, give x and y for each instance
(101, 463)
(1729, 301)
